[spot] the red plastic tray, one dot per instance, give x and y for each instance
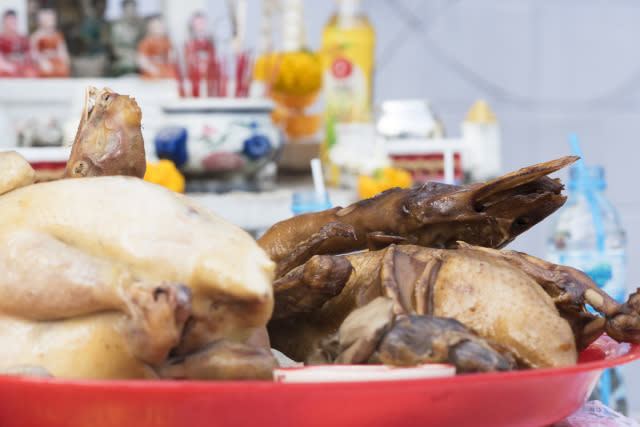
(521, 398)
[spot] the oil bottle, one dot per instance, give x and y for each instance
(348, 42)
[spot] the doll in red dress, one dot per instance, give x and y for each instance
(199, 50)
(48, 47)
(15, 58)
(154, 53)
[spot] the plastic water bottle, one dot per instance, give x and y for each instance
(312, 201)
(309, 201)
(589, 236)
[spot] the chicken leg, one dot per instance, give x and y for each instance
(45, 279)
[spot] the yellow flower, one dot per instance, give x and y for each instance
(382, 180)
(166, 174)
(265, 67)
(298, 73)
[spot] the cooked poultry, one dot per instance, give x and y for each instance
(109, 140)
(112, 277)
(109, 261)
(91, 347)
(374, 334)
(533, 308)
(571, 290)
(435, 215)
(222, 360)
(104, 277)
(309, 286)
(15, 172)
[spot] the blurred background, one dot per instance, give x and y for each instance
(544, 69)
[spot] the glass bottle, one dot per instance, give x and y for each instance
(348, 45)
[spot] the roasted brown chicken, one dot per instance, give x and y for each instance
(496, 293)
(534, 309)
(437, 215)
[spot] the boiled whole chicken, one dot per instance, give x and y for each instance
(115, 277)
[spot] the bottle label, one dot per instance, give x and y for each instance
(346, 90)
(341, 68)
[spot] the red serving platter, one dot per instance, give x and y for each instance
(521, 398)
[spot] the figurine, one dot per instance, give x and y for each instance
(48, 47)
(89, 52)
(92, 28)
(126, 33)
(199, 50)
(155, 55)
(15, 58)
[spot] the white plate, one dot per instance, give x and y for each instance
(356, 373)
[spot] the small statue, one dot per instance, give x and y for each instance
(89, 49)
(92, 28)
(48, 47)
(15, 58)
(155, 55)
(199, 50)
(126, 33)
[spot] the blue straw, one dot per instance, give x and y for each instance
(577, 151)
(583, 178)
(575, 145)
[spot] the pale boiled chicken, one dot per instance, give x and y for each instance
(15, 172)
(105, 277)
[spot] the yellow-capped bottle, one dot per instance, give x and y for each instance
(348, 42)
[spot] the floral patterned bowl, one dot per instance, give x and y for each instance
(225, 141)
